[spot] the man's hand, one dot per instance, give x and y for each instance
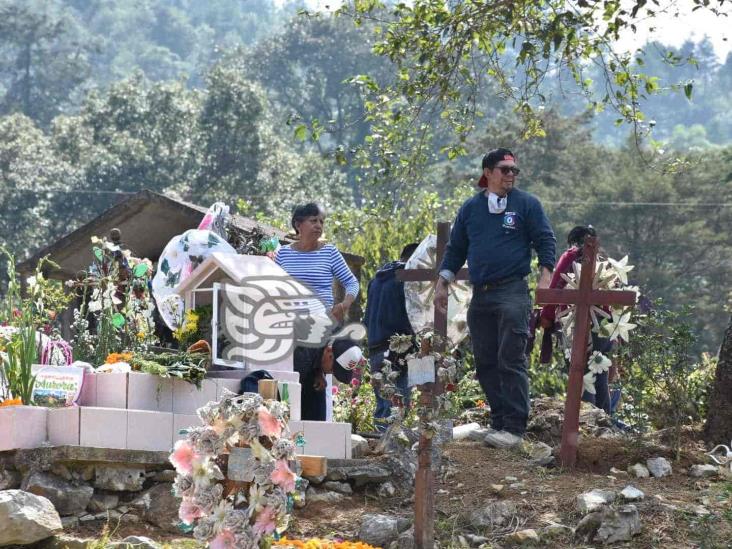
(440, 300)
(544, 279)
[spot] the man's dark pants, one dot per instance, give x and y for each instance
(498, 319)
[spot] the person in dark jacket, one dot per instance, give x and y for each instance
(495, 231)
(386, 315)
(313, 363)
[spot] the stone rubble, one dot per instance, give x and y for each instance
(26, 518)
(658, 467)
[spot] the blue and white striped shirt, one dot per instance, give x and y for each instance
(317, 269)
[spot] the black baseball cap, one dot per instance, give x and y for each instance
(493, 157)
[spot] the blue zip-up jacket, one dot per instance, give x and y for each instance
(386, 310)
(498, 246)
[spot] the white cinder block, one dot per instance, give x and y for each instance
(328, 439)
(111, 390)
(63, 426)
(148, 430)
(149, 392)
(88, 395)
(230, 384)
(281, 375)
(285, 365)
(22, 427)
(183, 421)
(103, 427)
(291, 392)
(187, 398)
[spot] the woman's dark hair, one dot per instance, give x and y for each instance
(576, 236)
(302, 212)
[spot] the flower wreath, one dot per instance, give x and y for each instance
(227, 513)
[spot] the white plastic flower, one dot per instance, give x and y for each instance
(599, 363)
(621, 268)
(588, 382)
(618, 327)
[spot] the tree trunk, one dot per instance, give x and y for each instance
(718, 429)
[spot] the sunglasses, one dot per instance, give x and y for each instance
(505, 170)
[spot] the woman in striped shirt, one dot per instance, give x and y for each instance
(316, 264)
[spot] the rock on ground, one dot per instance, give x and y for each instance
(159, 506)
(609, 525)
(315, 496)
(119, 479)
(594, 500)
(26, 518)
(631, 493)
(639, 471)
(658, 467)
(378, 530)
(359, 446)
(702, 471)
(494, 514)
(136, 542)
(10, 480)
(102, 502)
(340, 487)
(523, 537)
(67, 498)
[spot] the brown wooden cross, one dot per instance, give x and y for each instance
(424, 527)
(583, 299)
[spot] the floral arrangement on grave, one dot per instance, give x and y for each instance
(29, 331)
(610, 322)
(315, 543)
(247, 505)
(447, 367)
(196, 327)
(116, 311)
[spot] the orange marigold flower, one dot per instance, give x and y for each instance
(113, 358)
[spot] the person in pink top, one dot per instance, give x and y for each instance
(575, 240)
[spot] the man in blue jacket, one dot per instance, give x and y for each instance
(495, 231)
(386, 315)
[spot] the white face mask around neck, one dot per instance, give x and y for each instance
(497, 204)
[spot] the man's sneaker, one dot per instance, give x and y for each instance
(503, 439)
(479, 434)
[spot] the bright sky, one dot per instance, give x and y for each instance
(669, 30)
(674, 31)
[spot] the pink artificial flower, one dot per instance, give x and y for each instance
(182, 457)
(189, 511)
(265, 523)
(225, 540)
(335, 390)
(268, 424)
(282, 476)
(355, 382)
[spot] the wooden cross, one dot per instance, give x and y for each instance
(583, 299)
(424, 527)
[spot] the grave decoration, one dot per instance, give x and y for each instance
(235, 474)
(611, 321)
(316, 543)
(116, 311)
(28, 331)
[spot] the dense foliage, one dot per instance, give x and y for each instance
(222, 100)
